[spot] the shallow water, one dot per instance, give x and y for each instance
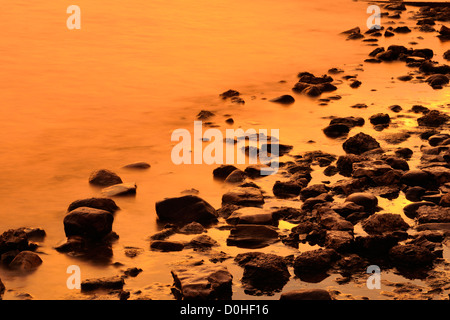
(113, 92)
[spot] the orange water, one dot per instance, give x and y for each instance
(73, 101)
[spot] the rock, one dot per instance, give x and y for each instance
(387, 33)
(434, 118)
(26, 261)
(243, 196)
(414, 194)
(90, 223)
(223, 171)
(229, 94)
(447, 55)
(2, 289)
(163, 234)
(385, 222)
(405, 78)
(410, 256)
(252, 236)
(204, 282)
(258, 171)
(331, 220)
(395, 108)
(309, 203)
(419, 178)
(445, 200)
(263, 272)
(185, 209)
(97, 251)
(437, 80)
(313, 191)
(236, 176)
(14, 240)
(204, 114)
(110, 283)
(284, 99)
(166, 246)
(341, 241)
(410, 210)
(364, 199)
(252, 215)
(315, 261)
(355, 84)
(404, 153)
(286, 189)
(306, 294)
(96, 203)
(443, 227)
(202, 242)
(360, 143)
(104, 178)
(380, 118)
(122, 189)
(359, 106)
(353, 30)
(348, 121)
(433, 214)
(402, 29)
(345, 163)
(336, 130)
(141, 165)
(439, 174)
(192, 228)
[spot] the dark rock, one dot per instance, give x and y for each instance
(286, 189)
(433, 214)
(417, 177)
(236, 176)
(166, 246)
(192, 228)
(163, 234)
(243, 196)
(376, 245)
(315, 261)
(359, 106)
(26, 261)
(345, 163)
(336, 130)
(204, 114)
(402, 29)
(445, 200)
(137, 165)
(111, 283)
(104, 178)
(355, 84)
(414, 194)
(90, 223)
(410, 210)
(386, 222)
(338, 240)
(313, 191)
(364, 199)
(2, 289)
(252, 236)
(404, 153)
(434, 118)
(387, 33)
(447, 55)
(204, 282)
(353, 30)
(348, 121)
(395, 108)
(410, 256)
(331, 220)
(437, 80)
(133, 272)
(96, 203)
(360, 143)
(263, 272)
(185, 209)
(306, 294)
(229, 94)
(202, 242)
(122, 189)
(223, 171)
(376, 51)
(309, 203)
(284, 99)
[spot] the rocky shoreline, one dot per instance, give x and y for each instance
(342, 221)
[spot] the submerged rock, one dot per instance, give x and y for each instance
(315, 261)
(252, 236)
(252, 215)
(90, 223)
(204, 282)
(111, 283)
(26, 261)
(122, 189)
(360, 143)
(385, 222)
(185, 209)
(96, 203)
(410, 256)
(104, 178)
(243, 196)
(137, 165)
(284, 99)
(364, 199)
(306, 294)
(434, 118)
(166, 246)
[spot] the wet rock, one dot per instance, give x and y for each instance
(355, 84)
(360, 143)
(341, 241)
(236, 176)
(229, 94)
(380, 118)
(94, 250)
(104, 178)
(122, 189)
(286, 189)
(359, 106)
(243, 196)
(402, 29)
(433, 214)
(185, 209)
(404, 153)
(414, 194)
(349, 186)
(419, 178)
(395, 108)
(330, 171)
(252, 236)
(90, 223)
(141, 165)
(166, 246)
(331, 220)
(2, 289)
(306, 294)
(410, 256)
(26, 261)
(352, 30)
(444, 33)
(387, 33)
(204, 282)
(410, 210)
(223, 171)
(263, 272)
(315, 261)
(437, 80)
(336, 130)
(378, 245)
(313, 191)
(385, 222)
(437, 139)
(202, 242)
(284, 99)
(132, 252)
(364, 199)
(257, 171)
(434, 118)
(96, 203)
(252, 215)
(348, 121)
(345, 163)
(204, 114)
(309, 203)
(445, 200)
(107, 283)
(447, 55)
(163, 234)
(439, 174)
(192, 228)
(442, 227)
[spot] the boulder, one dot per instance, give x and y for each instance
(223, 171)
(384, 222)
(410, 256)
(107, 283)
(252, 215)
(185, 209)
(433, 214)
(377, 245)
(104, 178)
(202, 242)
(192, 228)
(262, 271)
(341, 241)
(203, 282)
(360, 143)
(331, 220)
(410, 210)
(364, 199)
(380, 118)
(284, 99)
(243, 196)
(14, 240)
(121, 189)
(287, 189)
(315, 261)
(306, 294)
(252, 236)
(90, 223)
(313, 191)
(434, 118)
(166, 246)
(26, 261)
(418, 178)
(236, 176)
(96, 203)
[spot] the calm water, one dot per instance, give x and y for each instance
(113, 92)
